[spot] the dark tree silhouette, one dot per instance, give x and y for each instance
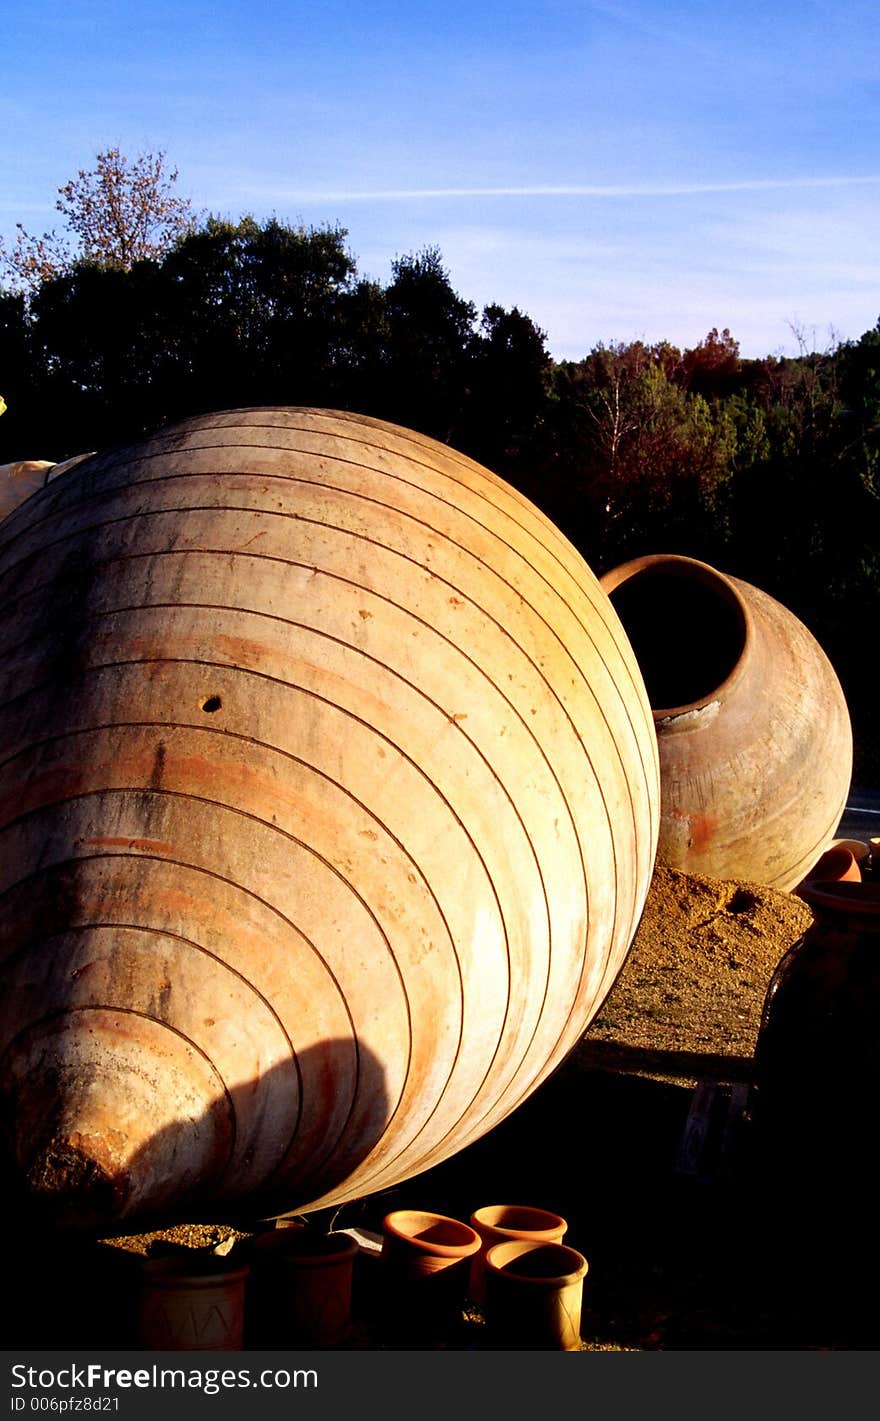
(429, 329)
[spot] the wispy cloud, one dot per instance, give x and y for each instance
(567, 190)
(632, 18)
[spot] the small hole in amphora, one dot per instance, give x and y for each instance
(211, 704)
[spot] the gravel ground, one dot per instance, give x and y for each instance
(691, 990)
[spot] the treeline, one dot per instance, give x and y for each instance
(767, 468)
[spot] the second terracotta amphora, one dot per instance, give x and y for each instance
(752, 725)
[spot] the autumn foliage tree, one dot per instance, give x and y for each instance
(648, 455)
(118, 213)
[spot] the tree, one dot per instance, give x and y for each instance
(253, 313)
(236, 313)
(648, 459)
(429, 331)
(859, 371)
(95, 346)
(508, 396)
(711, 367)
(118, 213)
(21, 430)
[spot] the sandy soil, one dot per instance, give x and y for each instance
(694, 982)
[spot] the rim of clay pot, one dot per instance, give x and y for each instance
(860, 851)
(544, 1264)
(836, 865)
(657, 566)
(305, 1248)
(170, 1271)
(510, 1218)
(432, 1233)
(848, 899)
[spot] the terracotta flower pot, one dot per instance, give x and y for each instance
(752, 726)
(534, 1295)
(191, 1305)
(302, 1287)
(817, 1061)
(328, 810)
(425, 1262)
(837, 865)
(501, 1223)
(860, 850)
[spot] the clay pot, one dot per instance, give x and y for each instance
(753, 730)
(534, 1295)
(860, 851)
(302, 1287)
(837, 865)
(191, 1305)
(500, 1223)
(328, 810)
(425, 1263)
(817, 1062)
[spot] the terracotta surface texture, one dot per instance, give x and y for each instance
(753, 728)
(328, 808)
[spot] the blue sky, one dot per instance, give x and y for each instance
(618, 169)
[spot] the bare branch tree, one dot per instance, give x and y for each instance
(125, 211)
(120, 212)
(33, 260)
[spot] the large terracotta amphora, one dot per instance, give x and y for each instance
(752, 724)
(328, 809)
